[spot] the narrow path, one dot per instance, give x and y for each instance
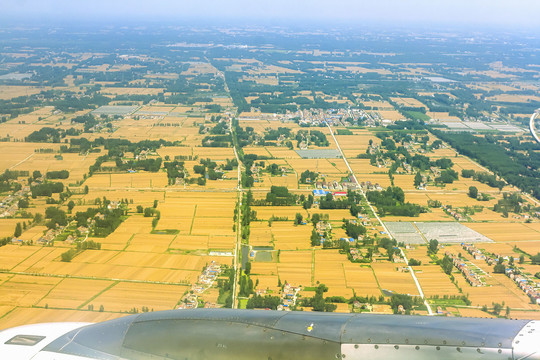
(20, 162)
(430, 312)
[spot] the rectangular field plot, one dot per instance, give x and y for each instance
(72, 293)
(319, 154)
(27, 315)
(361, 280)
(110, 110)
(124, 296)
(405, 232)
(11, 255)
(150, 243)
(434, 281)
(25, 290)
(444, 232)
(450, 232)
(393, 280)
(506, 231)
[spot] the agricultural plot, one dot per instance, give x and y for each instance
(329, 271)
(152, 261)
(405, 232)
(434, 281)
(319, 154)
(361, 279)
(125, 296)
(114, 110)
(450, 232)
(392, 280)
(506, 231)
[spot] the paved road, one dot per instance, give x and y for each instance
(411, 271)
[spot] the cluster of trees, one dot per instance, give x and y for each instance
(225, 287)
(328, 202)
(6, 183)
(278, 196)
(275, 134)
(56, 217)
(46, 189)
(512, 202)
(447, 264)
(315, 137)
(406, 301)
(318, 302)
(353, 230)
(50, 135)
(61, 174)
(105, 220)
(88, 245)
(263, 302)
(483, 177)
(68, 255)
(447, 176)
(392, 201)
(217, 141)
(207, 169)
(152, 165)
(175, 169)
(517, 168)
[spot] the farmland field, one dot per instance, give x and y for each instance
(129, 168)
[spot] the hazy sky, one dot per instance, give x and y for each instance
(446, 12)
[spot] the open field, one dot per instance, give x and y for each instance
(504, 232)
(195, 100)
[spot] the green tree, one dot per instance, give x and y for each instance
(70, 206)
(497, 309)
(433, 246)
(315, 218)
(140, 209)
(417, 179)
(18, 230)
(499, 269)
(315, 238)
(298, 219)
(473, 192)
(447, 264)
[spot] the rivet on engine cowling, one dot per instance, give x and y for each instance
(500, 351)
(376, 346)
(356, 346)
(396, 347)
(417, 347)
(438, 348)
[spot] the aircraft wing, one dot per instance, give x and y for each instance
(223, 334)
